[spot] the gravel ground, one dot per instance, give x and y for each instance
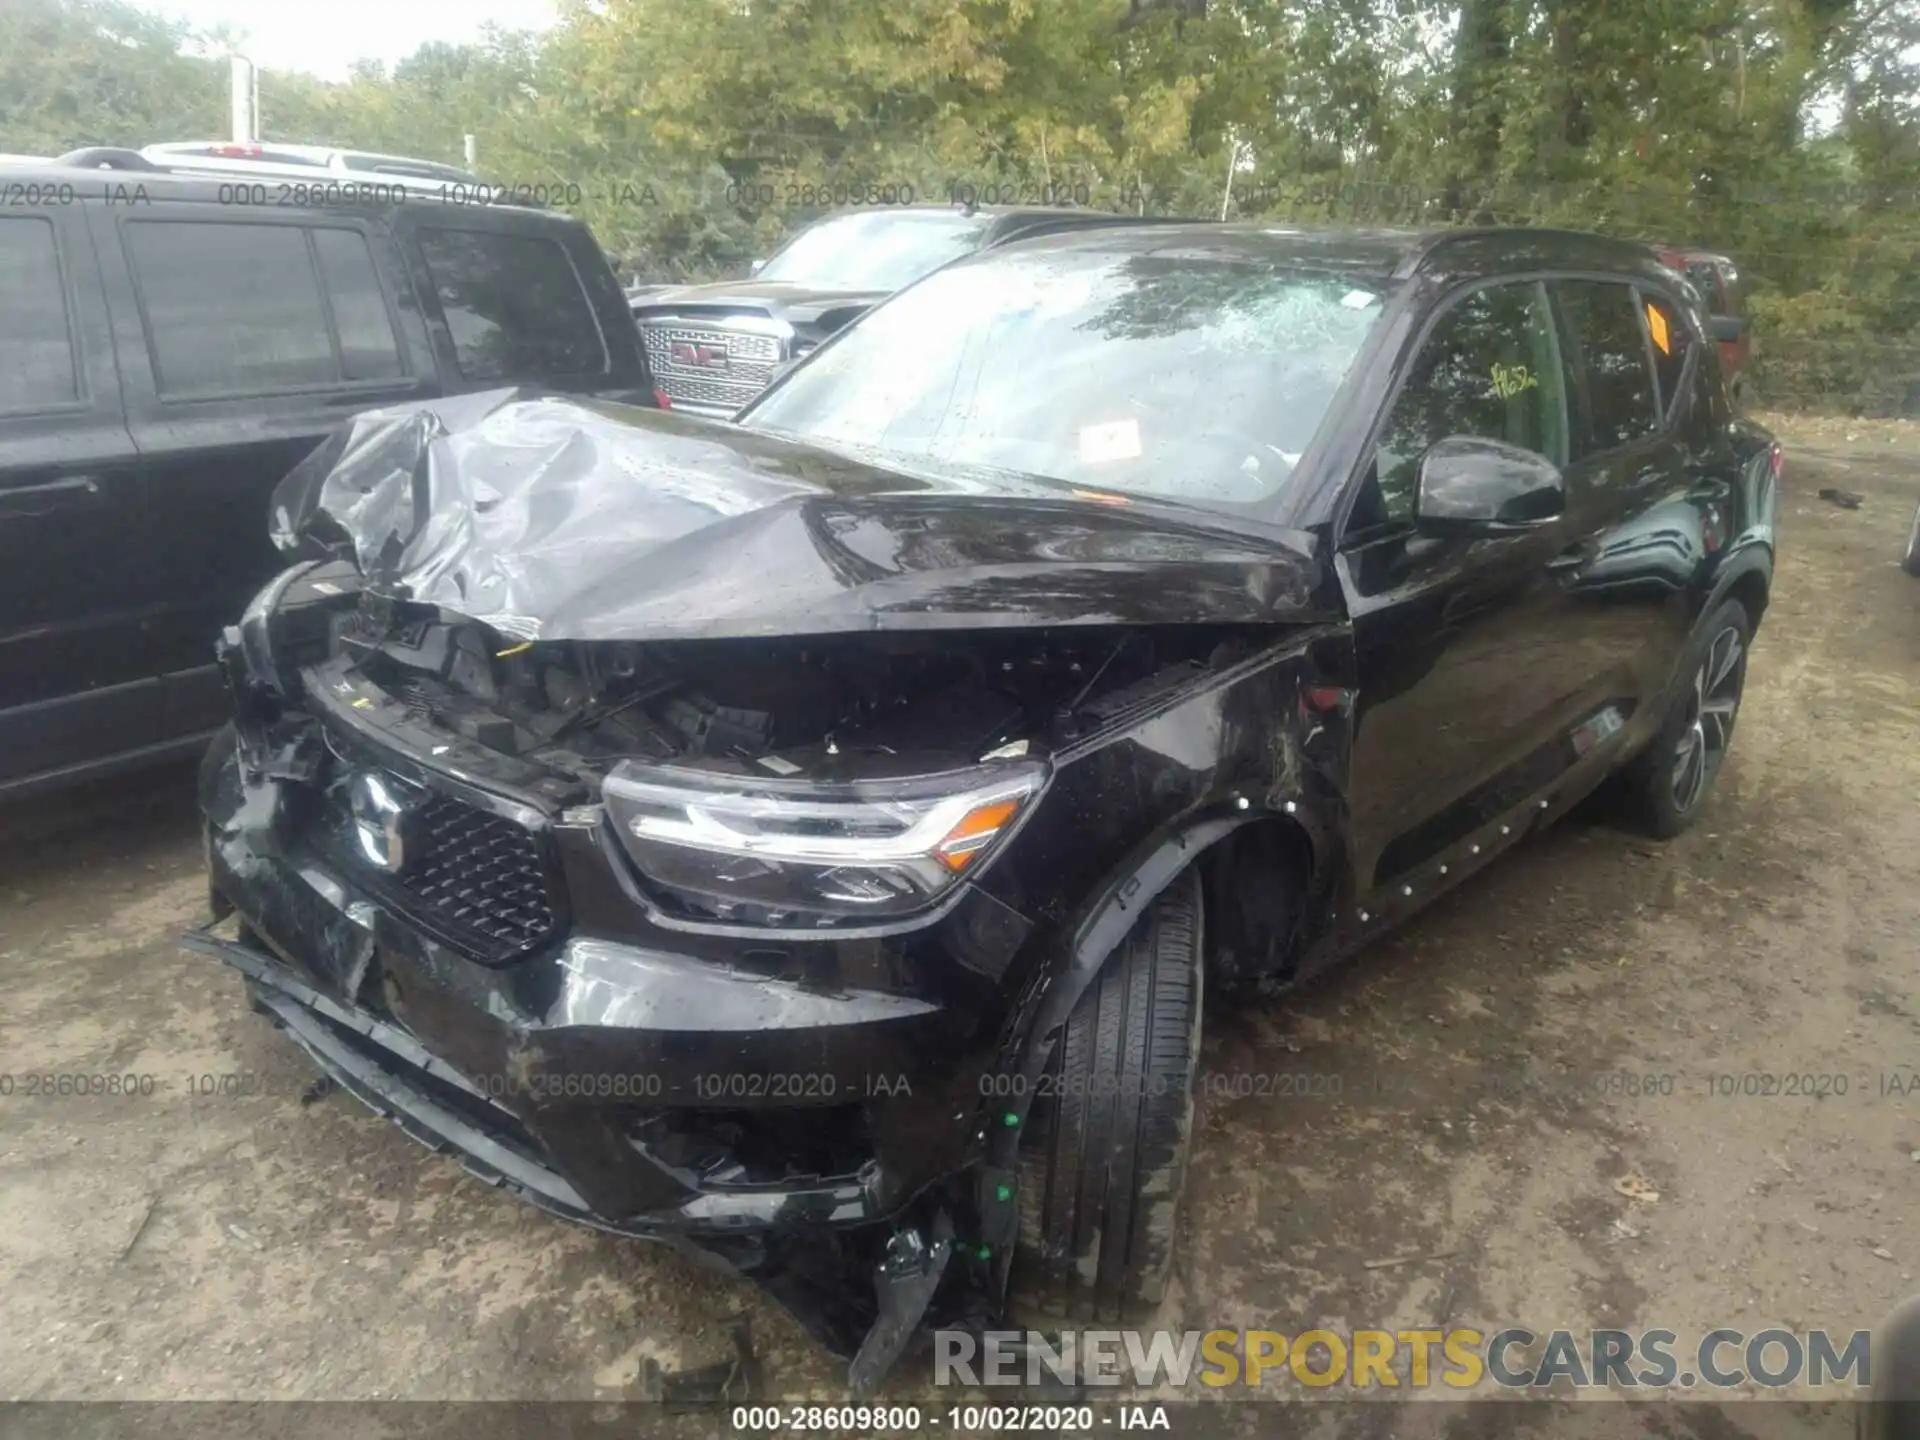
(184, 1245)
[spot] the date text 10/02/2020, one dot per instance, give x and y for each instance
(976, 1419)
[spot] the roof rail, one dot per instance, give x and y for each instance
(106, 157)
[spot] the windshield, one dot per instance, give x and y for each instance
(875, 251)
(1195, 379)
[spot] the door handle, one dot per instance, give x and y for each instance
(55, 492)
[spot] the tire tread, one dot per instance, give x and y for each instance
(1087, 1249)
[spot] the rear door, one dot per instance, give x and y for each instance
(75, 679)
(244, 338)
(1630, 486)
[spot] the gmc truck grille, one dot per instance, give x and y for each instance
(708, 366)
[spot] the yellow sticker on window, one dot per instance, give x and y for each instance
(1510, 380)
(1657, 324)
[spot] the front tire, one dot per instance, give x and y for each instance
(1910, 562)
(1667, 785)
(1104, 1160)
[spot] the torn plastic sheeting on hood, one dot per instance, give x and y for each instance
(567, 519)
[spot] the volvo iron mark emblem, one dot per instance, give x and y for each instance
(379, 809)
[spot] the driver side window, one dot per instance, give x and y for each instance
(1491, 369)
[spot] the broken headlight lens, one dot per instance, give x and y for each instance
(754, 851)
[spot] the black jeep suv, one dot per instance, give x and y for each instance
(170, 346)
(807, 840)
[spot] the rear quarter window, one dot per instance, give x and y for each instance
(1672, 340)
(514, 304)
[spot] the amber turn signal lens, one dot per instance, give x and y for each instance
(976, 828)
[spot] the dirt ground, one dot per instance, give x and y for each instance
(185, 1245)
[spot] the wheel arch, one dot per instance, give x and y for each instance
(1216, 839)
(1750, 584)
(1091, 938)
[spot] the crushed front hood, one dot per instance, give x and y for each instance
(569, 519)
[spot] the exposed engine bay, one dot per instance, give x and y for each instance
(866, 704)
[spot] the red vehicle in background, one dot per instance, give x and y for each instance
(1718, 281)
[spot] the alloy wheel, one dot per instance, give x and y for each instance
(1711, 706)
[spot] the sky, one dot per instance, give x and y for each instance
(325, 36)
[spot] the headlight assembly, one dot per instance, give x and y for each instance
(791, 851)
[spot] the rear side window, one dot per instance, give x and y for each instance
(1490, 368)
(1672, 345)
(514, 305)
(239, 309)
(369, 350)
(1607, 345)
(36, 345)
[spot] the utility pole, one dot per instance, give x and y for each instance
(1233, 163)
(244, 101)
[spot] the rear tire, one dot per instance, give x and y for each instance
(1666, 786)
(1104, 1159)
(1910, 562)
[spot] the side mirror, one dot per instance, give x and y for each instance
(756, 267)
(1470, 484)
(1727, 327)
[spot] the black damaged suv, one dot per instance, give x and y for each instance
(807, 840)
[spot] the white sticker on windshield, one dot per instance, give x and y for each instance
(1119, 440)
(1358, 299)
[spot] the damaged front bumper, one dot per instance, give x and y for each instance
(821, 1139)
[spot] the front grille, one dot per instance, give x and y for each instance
(476, 881)
(751, 361)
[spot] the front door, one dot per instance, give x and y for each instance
(1472, 659)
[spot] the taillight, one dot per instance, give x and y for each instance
(249, 152)
(660, 398)
(1776, 461)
